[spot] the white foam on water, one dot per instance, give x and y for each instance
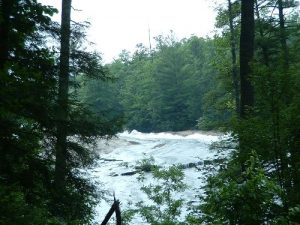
(169, 136)
(167, 148)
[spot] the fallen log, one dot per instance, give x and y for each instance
(130, 173)
(114, 208)
(111, 160)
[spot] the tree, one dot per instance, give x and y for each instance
(266, 128)
(28, 118)
(63, 89)
(283, 34)
(26, 93)
(172, 88)
(77, 127)
(5, 12)
(169, 85)
(101, 98)
(246, 56)
(235, 80)
(260, 40)
(249, 198)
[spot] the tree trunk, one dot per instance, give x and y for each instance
(246, 56)
(5, 9)
(63, 89)
(283, 35)
(114, 208)
(233, 59)
(286, 168)
(118, 215)
(263, 46)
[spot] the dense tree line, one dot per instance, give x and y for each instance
(175, 86)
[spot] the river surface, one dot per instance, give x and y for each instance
(121, 154)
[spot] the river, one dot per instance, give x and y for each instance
(120, 155)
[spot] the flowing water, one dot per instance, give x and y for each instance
(120, 155)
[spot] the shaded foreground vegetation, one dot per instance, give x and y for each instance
(245, 80)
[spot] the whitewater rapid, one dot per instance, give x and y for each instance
(120, 155)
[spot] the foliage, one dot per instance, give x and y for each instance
(163, 206)
(101, 98)
(26, 94)
(263, 190)
(181, 84)
(171, 88)
(146, 165)
(28, 118)
(240, 196)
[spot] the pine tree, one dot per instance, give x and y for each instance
(63, 99)
(246, 56)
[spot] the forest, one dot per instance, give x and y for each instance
(57, 99)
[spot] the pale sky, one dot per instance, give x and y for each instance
(122, 24)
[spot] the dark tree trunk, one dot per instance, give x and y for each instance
(263, 46)
(63, 89)
(286, 169)
(114, 208)
(283, 35)
(246, 56)
(118, 214)
(5, 10)
(273, 101)
(234, 72)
